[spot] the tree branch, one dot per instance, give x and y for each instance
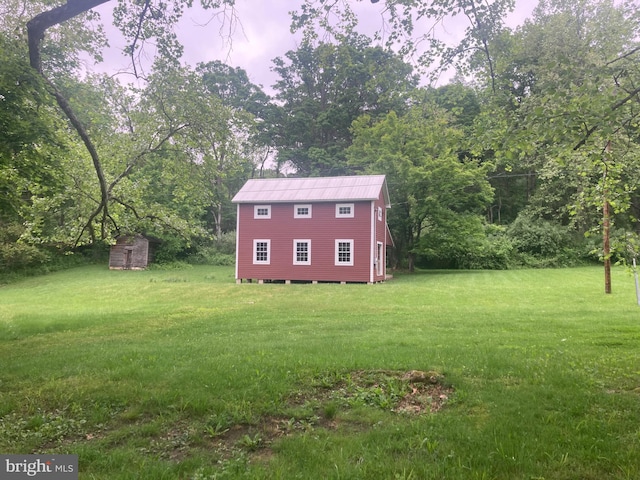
(623, 56)
(84, 136)
(151, 149)
(41, 22)
(36, 28)
(141, 18)
(614, 107)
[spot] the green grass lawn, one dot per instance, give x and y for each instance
(182, 374)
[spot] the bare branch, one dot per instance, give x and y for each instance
(141, 18)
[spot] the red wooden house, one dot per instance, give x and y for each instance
(327, 229)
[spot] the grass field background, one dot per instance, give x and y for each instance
(183, 374)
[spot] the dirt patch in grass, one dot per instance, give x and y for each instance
(319, 404)
(322, 403)
(414, 392)
(424, 398)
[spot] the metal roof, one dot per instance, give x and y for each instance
(315, 189)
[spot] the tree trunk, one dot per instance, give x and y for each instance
(606, 225)
(217, 218)
(36, 28)
(39, 24)
(606, 246)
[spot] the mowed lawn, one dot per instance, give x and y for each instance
(182, 374)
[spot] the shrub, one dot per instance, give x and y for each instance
(171, 249)
(220, 252)
(541, 243)
(16, 255)
(19, 259)
(468, 243)
(539, 237)
(496, 252)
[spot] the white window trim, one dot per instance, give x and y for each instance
(255, 246)
(379, 214)
(337, 253)
(295, 251)
(295, 211)
(343, 215)
(261, 217)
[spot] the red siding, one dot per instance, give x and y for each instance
(323, 228)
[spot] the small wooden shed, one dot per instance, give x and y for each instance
(132, 252)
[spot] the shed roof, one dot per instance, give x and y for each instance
(315, 189)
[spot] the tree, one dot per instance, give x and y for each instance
(139, 21)
(438, 197)
(127, 137)
(572, 83)
(323, 89)
(31, 138)
(215, 137)
(412, 28)
(233, 88)
(32, 143)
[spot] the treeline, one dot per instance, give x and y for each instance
(525, 158)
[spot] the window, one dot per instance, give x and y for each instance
(261, 252)
(302, 211)
(302, 252)
(344, 210)
(344, 252)
(262, 211)
(380, 213)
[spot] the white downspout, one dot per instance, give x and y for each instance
(372, 244)
(237, 239)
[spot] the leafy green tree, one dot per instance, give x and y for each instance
(572, 89)
(140, 22)
(233, 88)
(214, 141)
(65, 45)
(438, 198)
(323, 89)
(31, 139)
(33, 143)
(411, 27)
(173, 157)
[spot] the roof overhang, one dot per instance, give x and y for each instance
(314, 189)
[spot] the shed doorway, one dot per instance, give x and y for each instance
(128, 258)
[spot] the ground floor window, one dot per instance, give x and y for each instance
(261, 252)
(344, 252)
(302, 252)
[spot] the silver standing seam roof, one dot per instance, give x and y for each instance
(315, 189)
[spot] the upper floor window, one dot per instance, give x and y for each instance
(302, 211)
(344, 210)
(380, 213)
(262, 211)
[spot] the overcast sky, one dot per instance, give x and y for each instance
(261, 35)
